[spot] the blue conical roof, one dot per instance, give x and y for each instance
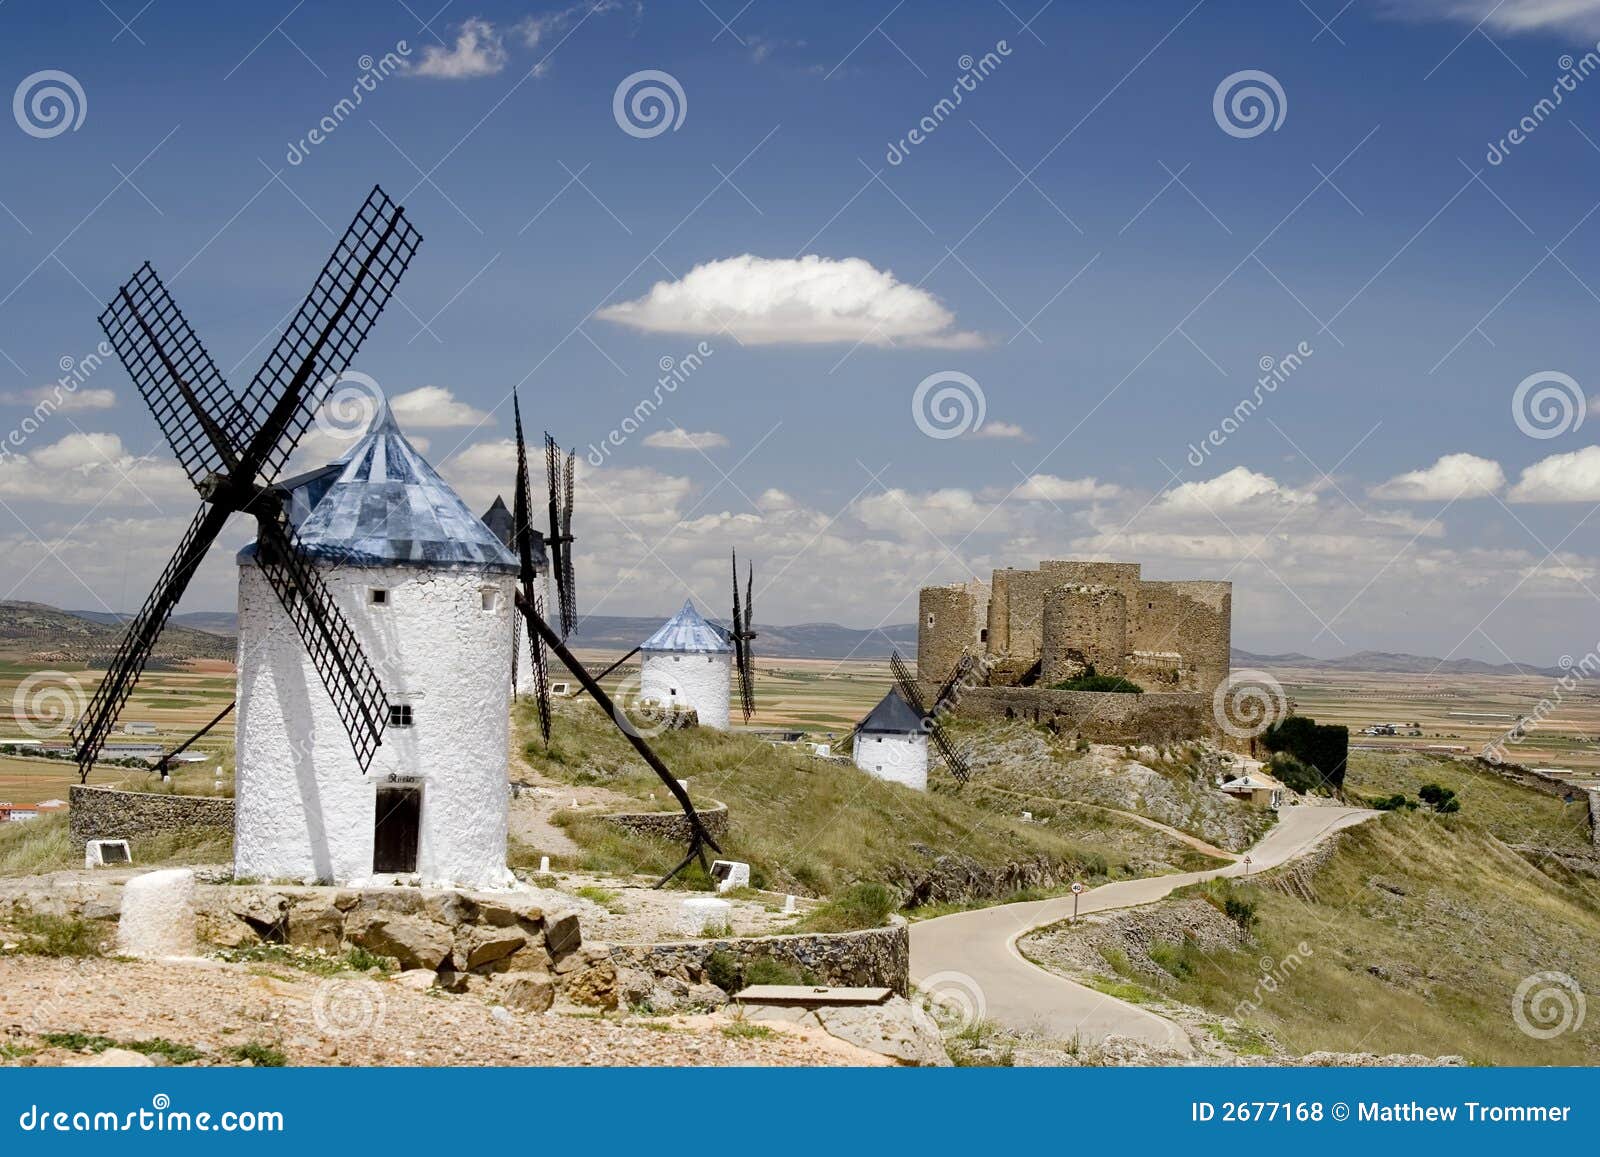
(388, 507)
(893, 716)
(688, 631)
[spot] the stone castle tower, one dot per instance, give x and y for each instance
(1052, 623)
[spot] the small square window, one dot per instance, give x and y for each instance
(672, 691)
(400, 715)
(378, 597)
(491, 600)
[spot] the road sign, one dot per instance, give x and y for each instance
(1078, 888)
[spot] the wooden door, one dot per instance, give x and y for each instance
(396, 829)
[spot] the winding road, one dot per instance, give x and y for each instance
(973, 955)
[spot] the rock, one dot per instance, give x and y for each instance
(1042, 1058)
(595, 986)
(451, 909)
(897, 1029)
(500, 1015)
(450, 980)
(113, 1059)
(410, 941)
(531, 957)
(634, 987)
(523, 991)
(315, 924)
(561, 935)
(706, 996)
(265, 912)
(477, 947)
(418, 979)
(158, 915)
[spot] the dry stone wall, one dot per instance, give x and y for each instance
(872, 958)
(673, 825)
(1100, 717)
(103, 813)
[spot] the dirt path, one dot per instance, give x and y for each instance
(973, 955)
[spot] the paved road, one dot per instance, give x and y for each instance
(975, 953)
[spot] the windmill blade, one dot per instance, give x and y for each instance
(321, 340)
(953, 759)
(175, 375)
(164, 764)
(948, 688)
(749, 684)
(559, 470)
(541, 672)
(516, 630)
(523, 534)
(329, 640)
(567, 588)
(907, 684)
(736, 621)
(90, 731)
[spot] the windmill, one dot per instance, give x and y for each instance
(233, 445)
(741, 636)
(912, 694)
(541, 635)
(559, 474)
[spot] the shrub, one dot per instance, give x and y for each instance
(1440, 799)
(1092, 681)
(1322, 746)
(766, 970)
(1396, 802)
(861, 905)
(1241, 912)
(1293, 774)
(260, 1055)
(722, 970)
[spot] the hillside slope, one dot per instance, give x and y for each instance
(38, 630)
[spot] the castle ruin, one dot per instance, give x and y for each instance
(1034, 629)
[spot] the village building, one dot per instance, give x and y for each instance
(687, 664)
(428, 591)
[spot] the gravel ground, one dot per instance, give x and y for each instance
(216, 1007)
(630, 910)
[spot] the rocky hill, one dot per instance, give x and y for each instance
(35, 630)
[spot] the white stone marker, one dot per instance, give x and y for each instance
(788, 906)
(158, 915)
(733, 874)
(103, 853)
(544, 865)
(700, 913)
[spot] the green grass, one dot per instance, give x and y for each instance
(260, 1055)
(175, 1053)
(1412, 937)
(863, 905)
(44, 935)
(44, 845)
(805, 826)
(356, 959)
(1505, 810)
(745, 1030)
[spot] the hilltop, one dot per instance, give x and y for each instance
(38, 630)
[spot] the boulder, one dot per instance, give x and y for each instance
(523, 991)
(477, 947)
(561, 934)
(418, 979)
(595, 986)
(265, 912)
(705, 996)
(896, 1029)
(449, 908)
(112, 1059)
(314, 923)
(412, 942)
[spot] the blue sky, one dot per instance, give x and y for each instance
(1081, 237)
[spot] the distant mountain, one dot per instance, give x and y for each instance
(1395, 663)
(39, 630)
(609, 632)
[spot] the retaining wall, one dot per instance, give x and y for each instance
(872, 958)
(673, 825)
(1101, 717)
(105, 813)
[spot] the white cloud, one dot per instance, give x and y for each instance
(806, 300)
(54, 398)
(1451, 477)
(534, 29)
(950, 511)
(1573, 477)
(1001, 430)
(479, 50)
(1575, 16)
(1049, 488)
(92, 469)
(678, 438)
(433, 407)
(1239, 487)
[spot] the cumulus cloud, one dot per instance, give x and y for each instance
(1573, 477)
(807, 300)
(1451, 477)
(534, 29)
(910, 514)
(1001, 430)
(1239, 487)
(479, 50)
(1581, 17)
(678, 438)
(433, 407)
(1049, 488)
(54, 398)
(92, 469)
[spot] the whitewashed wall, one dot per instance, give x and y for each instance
(688, 680)
(303, 809)
(901, 759)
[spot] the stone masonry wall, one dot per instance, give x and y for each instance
(103, 813)
(873, 958)
(673, 825)
(1182, 626)
(1084, 626)
(952, 620)
(1100, 717)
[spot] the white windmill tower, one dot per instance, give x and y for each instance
(891, 743)
(688, 664)
(428, 590)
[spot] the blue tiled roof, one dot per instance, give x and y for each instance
(387, 506)
(893, 715)
(687, 631)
